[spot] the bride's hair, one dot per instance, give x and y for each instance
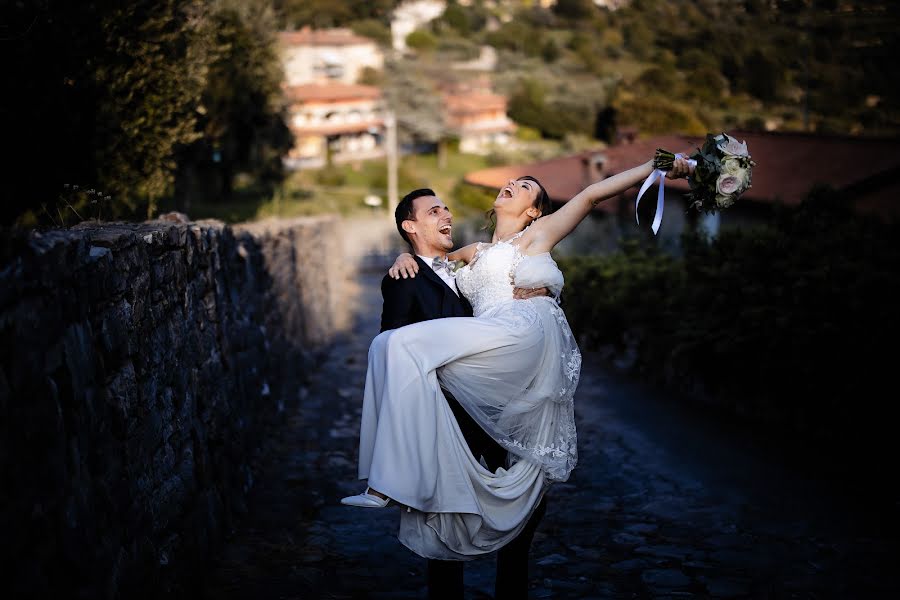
(542, 203)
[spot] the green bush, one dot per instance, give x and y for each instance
(457, 48)
(373, 29)
(571, 113)
(705, 84)
(464, 20)
(331, 175)
(550, 51)
(407, 179)
(657, 114)
(516, 36)
(659, 80)
(527, 134)
(474, 197)
(421, 40)
(784, 323)
(610, 295)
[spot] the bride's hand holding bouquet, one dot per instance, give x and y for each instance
(721, 171)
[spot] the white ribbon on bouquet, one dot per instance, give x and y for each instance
(661, 176)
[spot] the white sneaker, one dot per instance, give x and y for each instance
(366, 500)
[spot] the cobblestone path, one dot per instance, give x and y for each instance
(664, 503)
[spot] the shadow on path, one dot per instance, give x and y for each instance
(664, 503)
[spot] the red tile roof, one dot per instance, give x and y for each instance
(338, 128)
(322, 37)
(331, 92)
(561, 177)
(788, 165)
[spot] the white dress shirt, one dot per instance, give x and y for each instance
(442, 273)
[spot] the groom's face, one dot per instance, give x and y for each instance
(432, 229)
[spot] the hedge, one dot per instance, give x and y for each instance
(792, 323)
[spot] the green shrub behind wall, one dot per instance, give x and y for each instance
(790, 323)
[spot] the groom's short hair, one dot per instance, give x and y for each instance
(405, 212)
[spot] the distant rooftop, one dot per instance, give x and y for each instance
(322, 37)
(331, 92)
(788, 165)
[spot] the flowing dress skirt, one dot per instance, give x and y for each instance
(506, 368)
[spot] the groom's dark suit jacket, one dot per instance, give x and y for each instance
(427, 297)
(419, 298)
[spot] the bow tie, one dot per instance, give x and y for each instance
(438, 263)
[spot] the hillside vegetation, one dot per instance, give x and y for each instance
(820, 65)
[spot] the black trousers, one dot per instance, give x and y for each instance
(445, 577)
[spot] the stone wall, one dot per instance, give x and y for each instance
(141, 366)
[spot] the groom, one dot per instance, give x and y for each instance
(425, 223)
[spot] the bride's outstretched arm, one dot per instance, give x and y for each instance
(554, 227)
(557, 225)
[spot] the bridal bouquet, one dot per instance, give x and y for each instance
(722, 171)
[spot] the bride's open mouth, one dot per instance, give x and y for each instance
(506, 192)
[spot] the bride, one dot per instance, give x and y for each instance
(514, 367)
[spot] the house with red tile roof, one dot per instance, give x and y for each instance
(477, 115)
(342, 119)
(328, 112)
(326, 56)
(788, 166)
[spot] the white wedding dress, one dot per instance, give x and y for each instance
(514, 367)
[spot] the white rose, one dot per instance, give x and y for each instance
(727, 185)
(732, 166)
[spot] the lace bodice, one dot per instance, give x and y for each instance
(498, 268)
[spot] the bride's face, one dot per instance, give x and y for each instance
(516, 197)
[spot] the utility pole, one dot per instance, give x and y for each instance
(806, 95)
(390, 122)
(807, 39)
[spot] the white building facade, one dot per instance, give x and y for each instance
(327, 55)
(331, 116)
(410, 16)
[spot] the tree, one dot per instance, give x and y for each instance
(119, 97)
(527, 105)
(550, 51)
(639, 38)
(374, 30)
(417, 105)
(656, 114)
(242, 127)
(293, 14)
(574, 9)
(568, 112)
(517, 36)
(455, 16)
(763, 76)
(422, 40)
(105, 94)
